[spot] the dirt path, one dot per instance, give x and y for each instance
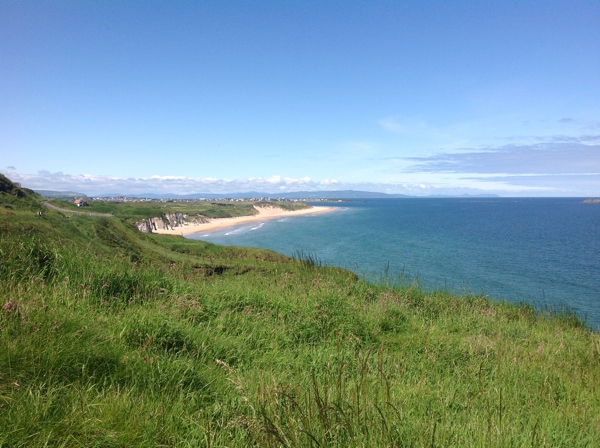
(47, 204)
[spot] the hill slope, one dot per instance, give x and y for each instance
(110, 337)
(11, 195)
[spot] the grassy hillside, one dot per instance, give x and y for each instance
(114, 338)
(136, 211)
(12, 196)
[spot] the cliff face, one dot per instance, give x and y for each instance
(168, 221)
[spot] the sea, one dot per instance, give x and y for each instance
(541, 251)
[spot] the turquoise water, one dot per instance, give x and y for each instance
(544, 251)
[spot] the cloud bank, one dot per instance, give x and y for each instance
(561, 164)
(551, 166)
(109, 185)
(558, 157)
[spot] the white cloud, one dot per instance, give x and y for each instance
(559, 155)
(109, 185)
(98, 185)
(557, 165)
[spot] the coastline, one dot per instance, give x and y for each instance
(264, 214)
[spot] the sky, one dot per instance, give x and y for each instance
(411, 97)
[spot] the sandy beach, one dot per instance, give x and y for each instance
(264, 214)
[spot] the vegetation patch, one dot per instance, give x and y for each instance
(111, 337)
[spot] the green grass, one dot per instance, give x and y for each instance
(113, 338)
(133, 211)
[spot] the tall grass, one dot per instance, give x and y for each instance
(307, 260)
(97, 349)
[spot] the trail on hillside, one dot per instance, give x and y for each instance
(47, 204)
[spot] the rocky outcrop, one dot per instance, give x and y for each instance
(168, 221)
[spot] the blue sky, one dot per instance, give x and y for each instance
(414, 97)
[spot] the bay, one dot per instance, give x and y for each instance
(543, 251)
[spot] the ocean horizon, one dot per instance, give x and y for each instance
(540, 251)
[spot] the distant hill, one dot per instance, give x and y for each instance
(336, 194)
(485, 195)
(60, 194)
(342, 194)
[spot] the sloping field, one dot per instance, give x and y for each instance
(114, 338)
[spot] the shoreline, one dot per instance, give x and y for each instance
(264, 214)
